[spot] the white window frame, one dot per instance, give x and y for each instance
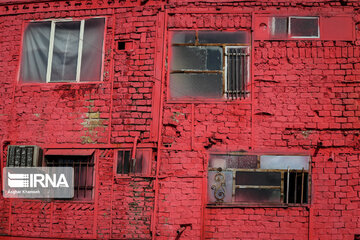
(226, 66)
(297, 17)
(51, 48)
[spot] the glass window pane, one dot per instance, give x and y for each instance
(258, 178)
(280, 26)
(218, 161)
(196, 58)
(65, 54)
(183, 37)
(284, 162)
(256, 195)
(247, 161)
(304, 27)
(91, 60)
(223, 37)
(220, 186)
(35, 52)
(196, 85)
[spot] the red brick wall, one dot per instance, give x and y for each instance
(303, 93)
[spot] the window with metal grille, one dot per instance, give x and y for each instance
(209, 64)
(258, 179)
(63, 51)
(140, 165)
(83, 172)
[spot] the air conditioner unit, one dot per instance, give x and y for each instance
(24, 156)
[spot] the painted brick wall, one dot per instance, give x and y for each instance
(113, 111)
(303, 93)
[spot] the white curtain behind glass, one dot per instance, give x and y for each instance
(35, 52)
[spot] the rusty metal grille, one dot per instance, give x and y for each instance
(237, 64)
(296, 186)
(83, 173)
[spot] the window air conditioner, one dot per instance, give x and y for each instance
(24, 156)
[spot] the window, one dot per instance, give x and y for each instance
(253, 179)
(82, 160)
(63, 51)
(209, 64)
(126, 165)
(295, 27)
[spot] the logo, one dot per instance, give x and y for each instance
(32, 182)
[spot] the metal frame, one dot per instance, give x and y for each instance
(281, 187)
(224, 70)
(51, 48)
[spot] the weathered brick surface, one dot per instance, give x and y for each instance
(303, 93)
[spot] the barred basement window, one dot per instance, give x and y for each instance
(209, 64)
(253, 179)
(83, 163)
(127, 165)
(63, 51)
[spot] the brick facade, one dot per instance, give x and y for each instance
(304, 98)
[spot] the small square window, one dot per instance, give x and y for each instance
(304, 27)
(253, 179)
(140, 165)
(63, 51)
(209, 64)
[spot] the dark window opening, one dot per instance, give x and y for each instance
(83, 173)
(304, 27)
(126, 165)
(121, 45)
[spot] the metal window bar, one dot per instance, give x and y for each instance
(236, 61)
(287, 186)
(77, 163)
(302, 186)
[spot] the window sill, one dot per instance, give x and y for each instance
(49, 200)
(256, 205)
(58, 83)
(124, 176)
(227, 101)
